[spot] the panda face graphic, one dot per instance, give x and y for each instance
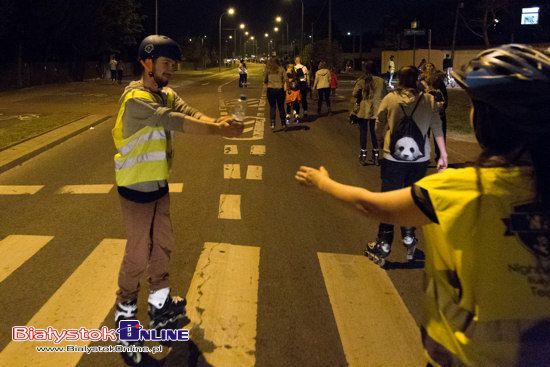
(406, 149)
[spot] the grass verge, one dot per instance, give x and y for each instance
(22, 127)
(458, 112)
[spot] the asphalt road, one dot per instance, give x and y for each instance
(293, 316)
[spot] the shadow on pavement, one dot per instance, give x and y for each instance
(184, 355)
(292, 128)
(418, 263)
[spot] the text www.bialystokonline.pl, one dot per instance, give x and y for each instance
(100, 349)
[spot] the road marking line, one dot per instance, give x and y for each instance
(85, 189)
(205, 83)
(223, 113)
(17, 249)
(369, 313)
(257, 150)
(232, 171)
(175, 187)
(20, 189)
(230, 207)
(222, 304)
(254, 173)
(84, 300)
(248, 129)
(224, 84)
(259, 128)
(230, 149)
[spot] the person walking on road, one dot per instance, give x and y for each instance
(243, 74)
(487, 228)
(322, 85)
(403, 120)
(302, 73)
(368, 92)
(333, 82)
(275, 79)
(150, 112)
(119, 71)
(433, 82)
(292, 95)
(391, 71)
(112, 66)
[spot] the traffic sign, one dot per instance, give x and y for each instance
(414, 32)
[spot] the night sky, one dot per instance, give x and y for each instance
(186, 18)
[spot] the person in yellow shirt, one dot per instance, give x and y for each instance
(487, 227)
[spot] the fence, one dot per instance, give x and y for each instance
(435, 56)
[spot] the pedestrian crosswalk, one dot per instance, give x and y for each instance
(222, 305)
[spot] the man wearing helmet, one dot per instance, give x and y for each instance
(487, 228)
(149, 114)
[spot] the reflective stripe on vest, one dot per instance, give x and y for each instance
(143, 156)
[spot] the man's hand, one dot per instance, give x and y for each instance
(311, 176)
(442, 163)
(229, 127)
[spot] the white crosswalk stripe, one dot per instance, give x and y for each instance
(370, 315)
(84, 300)
(20, 189)
(17, 249)
(223, 302)
(86, 189)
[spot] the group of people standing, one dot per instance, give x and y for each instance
(117, 70)
(287, 90)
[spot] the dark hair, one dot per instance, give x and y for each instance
(369, 67)
(504, 145)
(408, 77)
(273, 65)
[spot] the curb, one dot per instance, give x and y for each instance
(17, 154)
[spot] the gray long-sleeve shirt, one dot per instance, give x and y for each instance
(141, 112)
(426, 117)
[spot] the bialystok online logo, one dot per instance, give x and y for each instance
(128, 330)
(131, 330)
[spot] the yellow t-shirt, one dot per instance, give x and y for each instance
(487, 290)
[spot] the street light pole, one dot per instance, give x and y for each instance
(302, 32)
(229, 11)
(156, 16)
(459, 5)
(330, 23)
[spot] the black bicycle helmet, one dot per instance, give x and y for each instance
(155, 46)
(515, 80)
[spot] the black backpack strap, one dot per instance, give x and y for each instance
(414, 109)
(417, 102)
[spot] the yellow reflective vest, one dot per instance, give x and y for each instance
(487, 285)
(143, 156)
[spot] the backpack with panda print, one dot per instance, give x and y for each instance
(406, 140)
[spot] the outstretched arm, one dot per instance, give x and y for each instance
(207, 125)
(396, 207)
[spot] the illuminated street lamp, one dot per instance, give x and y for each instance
(229, 11)
(279, 20)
